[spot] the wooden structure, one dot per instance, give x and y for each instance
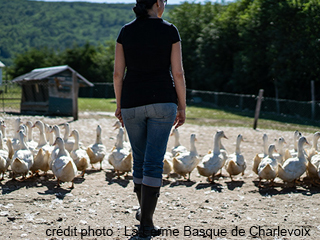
(258, 107)
(51, 91)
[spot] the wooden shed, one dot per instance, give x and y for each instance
(51, 91)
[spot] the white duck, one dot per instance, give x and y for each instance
(5, 161)
(281, 154)
(184, 163)
(15, 139)
(49, 134)
(268, 167)
(3, 130)
(41, 161)
(8, 147)
(177, 148)
(224, 153)
(313, 167)
(25, 131)
(97, 151)
(294, 167)
(167, 164)
(43, 156)
(259, 156)
(212, 162)
(22, 158)
(79, 155)
(54, 153)
(120, 158)
(68, 143)
(30, 142)
(63, 166)
(236, 162)
(313, 159)
(296, 135)
(47, 130)
(126, 143)
(314, 148)
(42, 143)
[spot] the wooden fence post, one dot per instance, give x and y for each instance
(258, 106)
(75, 90)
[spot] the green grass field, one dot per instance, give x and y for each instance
(195, 114)
(218, 117)
(96, 104)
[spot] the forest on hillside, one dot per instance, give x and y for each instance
(238, 47)
(57, 25)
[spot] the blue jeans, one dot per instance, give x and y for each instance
(148, 128)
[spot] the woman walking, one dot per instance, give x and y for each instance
(150, 98)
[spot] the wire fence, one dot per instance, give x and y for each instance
(11, 95)
(99, 90)
(246, 102)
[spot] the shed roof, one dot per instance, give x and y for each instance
(43, 73)
(1, 64)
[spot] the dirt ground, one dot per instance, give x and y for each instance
(103, 207)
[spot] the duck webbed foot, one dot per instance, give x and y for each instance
(231, 178)
(72, 185)
(259, 184)
(189, 177)
(58, 183)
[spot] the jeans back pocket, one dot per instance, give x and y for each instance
(164, 110)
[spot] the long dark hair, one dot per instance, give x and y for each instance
(142, 6)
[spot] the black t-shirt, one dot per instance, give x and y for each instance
(147, 45)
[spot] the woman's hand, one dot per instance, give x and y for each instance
(180, 118)
(119, 116)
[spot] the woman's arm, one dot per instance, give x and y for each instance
(118, 73)
(179, 82)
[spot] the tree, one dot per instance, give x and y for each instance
(94, 63)
(34, 58)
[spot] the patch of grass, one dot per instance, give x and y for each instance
(10, 91)
(97, 104)
(218, 117)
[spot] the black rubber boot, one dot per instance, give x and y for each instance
(149, 198)
(137, 190)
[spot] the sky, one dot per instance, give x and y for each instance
(133, 1)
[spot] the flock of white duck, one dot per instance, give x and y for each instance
(288, 165)
(275, 161)
(65, 156)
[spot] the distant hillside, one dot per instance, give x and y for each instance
(25, 24)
